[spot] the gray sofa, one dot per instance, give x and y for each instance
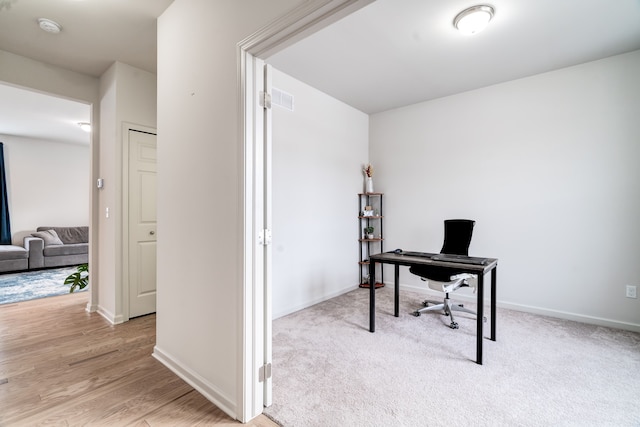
(13, 258)
(70, 248)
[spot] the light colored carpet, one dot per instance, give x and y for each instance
(328, 370)
(28, 285)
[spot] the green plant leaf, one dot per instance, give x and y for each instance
(77, 279)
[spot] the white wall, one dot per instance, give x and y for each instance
(127, 95)
(47, 184)
(546, 165)
(318, 153)
(200, 212)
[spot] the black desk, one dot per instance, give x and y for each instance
(407, 259)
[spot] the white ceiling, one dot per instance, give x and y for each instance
(394, 53)
(34, 115)
(389, 54)
(95, 33)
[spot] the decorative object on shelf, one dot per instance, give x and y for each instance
(368, 211)
(368, 180)
(368, 232)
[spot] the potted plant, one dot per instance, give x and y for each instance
(368, 231)
(79, 279)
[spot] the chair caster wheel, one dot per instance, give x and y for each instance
(425, 303)
(453, 325)
(416, 313)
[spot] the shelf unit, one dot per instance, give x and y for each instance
(370, 214)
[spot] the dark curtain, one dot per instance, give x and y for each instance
(5, 227)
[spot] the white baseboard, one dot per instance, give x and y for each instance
(197, 382)
(111, 318)
(304, 305)
(592, 320)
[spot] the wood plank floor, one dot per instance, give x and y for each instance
(62, 366)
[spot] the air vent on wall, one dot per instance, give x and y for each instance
(282, 99)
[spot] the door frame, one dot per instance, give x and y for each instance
(124, 279)
(254, 312)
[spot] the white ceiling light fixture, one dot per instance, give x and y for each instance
(85, 126)
(474, 19)
(49, 26)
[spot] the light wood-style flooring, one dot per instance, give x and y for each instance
(62, 366)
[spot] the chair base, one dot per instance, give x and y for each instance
(447, 306)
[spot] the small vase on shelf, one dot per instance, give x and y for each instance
(368, 185)
(368, 178)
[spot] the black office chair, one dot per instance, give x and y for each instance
(457, 237)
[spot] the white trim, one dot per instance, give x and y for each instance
(302, 21)
(94, 214)
(289, 310)
(559, 314)
(196, 381)
(109, 316)
(592, 320)
(246, 373)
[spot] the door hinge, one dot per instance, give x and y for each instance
(264, 373)
(265, 100)
(264, 238)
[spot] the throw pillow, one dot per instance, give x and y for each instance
(50, 237)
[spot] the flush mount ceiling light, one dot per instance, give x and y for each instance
(49, 26)
(85, 126)
(474, 19)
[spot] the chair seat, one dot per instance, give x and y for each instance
(457, 281)
(445, 287)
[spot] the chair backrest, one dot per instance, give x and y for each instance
(457, 236)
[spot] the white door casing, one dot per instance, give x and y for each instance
(142, 223)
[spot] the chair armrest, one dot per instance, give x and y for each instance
(35, 248)
(469, 280)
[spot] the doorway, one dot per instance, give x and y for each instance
(257, 305)
(48, 159)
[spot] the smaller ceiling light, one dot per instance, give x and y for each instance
(85, 126)
(49, 26)
(474, 19)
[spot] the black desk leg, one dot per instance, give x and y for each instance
(396, 294)
(372, 296)
(479, 321)
(494, 283)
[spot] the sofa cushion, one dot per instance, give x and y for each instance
(70, 234)
(50, 237)
(70, 249)
(12, 252)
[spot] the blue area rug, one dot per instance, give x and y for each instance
(16, 287)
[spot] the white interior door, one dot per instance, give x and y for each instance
(142, 223)
(267, 226)
(259, 153)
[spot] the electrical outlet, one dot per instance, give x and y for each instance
(631, 291)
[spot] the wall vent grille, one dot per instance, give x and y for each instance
(282, 99)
